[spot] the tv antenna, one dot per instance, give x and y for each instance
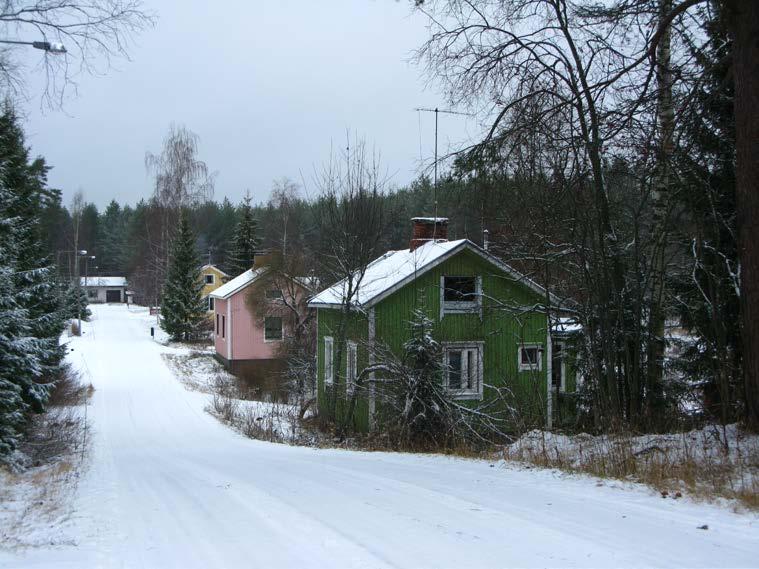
(437, 111)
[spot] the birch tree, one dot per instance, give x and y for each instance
(181, 179)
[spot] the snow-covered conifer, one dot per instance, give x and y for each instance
(244, 242)
(19, 350)
(182, 308)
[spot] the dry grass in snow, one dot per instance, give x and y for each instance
(235, 405)
(36, 488)
(710, 463)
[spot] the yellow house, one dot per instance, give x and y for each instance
(213, 277)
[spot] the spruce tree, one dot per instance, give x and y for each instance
(25, 184)
(244, 242)
(182, 309)
(20, 351)
(111, 242)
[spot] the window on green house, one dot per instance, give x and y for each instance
(351, 367)
(272, 328)
(329, 369)
(461, 294)
(529, 358)
(463, 370)
(209, 279)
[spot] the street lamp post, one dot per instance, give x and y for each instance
(46, 46)
(81, 253)
(86, 269)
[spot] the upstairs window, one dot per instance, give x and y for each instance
(209, 279)
(463, 370)
(274, 294)
(530, 357)
(272, 328)
(461, 294)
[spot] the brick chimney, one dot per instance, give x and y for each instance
(428, 229)
(262, 257)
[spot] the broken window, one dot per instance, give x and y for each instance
(529, 358)
(463, 370)
(461, 294)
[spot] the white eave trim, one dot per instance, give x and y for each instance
(214, 294)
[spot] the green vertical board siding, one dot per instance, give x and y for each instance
(332, 400)
(507, 321)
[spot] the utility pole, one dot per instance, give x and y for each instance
(437, 111)
(77, 254)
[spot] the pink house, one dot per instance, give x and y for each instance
(251, 321)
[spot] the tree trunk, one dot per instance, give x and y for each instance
(660, 199)
(745, 28)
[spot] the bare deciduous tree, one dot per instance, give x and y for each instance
(181, 180)
(350, 214)
(94, 32)
(284, 196)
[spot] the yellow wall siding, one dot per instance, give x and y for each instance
(218, 280)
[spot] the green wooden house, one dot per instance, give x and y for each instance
(490, 320)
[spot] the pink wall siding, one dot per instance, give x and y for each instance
(243, 329)
(248, 332)
(220, 342)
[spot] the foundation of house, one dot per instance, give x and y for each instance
(263, 378)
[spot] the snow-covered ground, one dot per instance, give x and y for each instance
(170, 486)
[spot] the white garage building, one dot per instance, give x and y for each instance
(105, 289)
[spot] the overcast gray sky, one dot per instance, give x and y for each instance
(268, 86)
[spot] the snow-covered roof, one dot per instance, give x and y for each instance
(430, 219)
(395, 269)
(238, 283)
(309, 283)
(214, 267)
(566, 325)
(103, 281)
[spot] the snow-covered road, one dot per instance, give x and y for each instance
(169, 486)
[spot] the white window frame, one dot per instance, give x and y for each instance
(351, 365)
(530, 367)
(563, 364)
(213, 279)
(281, 330)
(329, 360)
(211, 303)
(458, 307)
(478, 348)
